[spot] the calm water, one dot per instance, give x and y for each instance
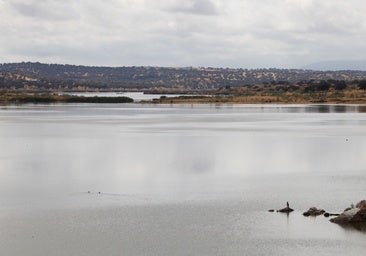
(136, 96)
(179, 180)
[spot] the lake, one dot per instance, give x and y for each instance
(138, 179)
(136, 96)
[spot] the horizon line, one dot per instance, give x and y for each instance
(181, 67)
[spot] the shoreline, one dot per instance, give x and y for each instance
(350, 97)
(44, 98)
(237, 99)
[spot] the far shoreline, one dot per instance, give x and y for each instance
(48, 98)
(234, 99)
(355, 97)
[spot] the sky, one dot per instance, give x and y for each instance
(209, 33)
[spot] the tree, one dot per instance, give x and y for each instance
(309, 88)
(362, 84)
(340, 85)
(323, 86)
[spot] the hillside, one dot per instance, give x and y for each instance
(27, 75)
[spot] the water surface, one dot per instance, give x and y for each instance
(179, 179)
(136, 96)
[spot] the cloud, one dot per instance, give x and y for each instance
(47, 9)
(233, 33)
(199, 7)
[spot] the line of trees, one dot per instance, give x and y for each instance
(323, 86)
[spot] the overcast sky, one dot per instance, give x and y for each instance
(219, 33)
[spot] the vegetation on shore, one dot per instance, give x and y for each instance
(331, 91)
(9, 97)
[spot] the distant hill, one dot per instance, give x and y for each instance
(338, 65)
(64, 77)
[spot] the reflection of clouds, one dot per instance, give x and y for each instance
(277, 153)
(194, 155)
(140, 149)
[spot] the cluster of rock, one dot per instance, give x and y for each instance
(313, 211)
(354, 214)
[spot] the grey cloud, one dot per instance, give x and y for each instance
(199, 7)
(48, 9)
(229, 33)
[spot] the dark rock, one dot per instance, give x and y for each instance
(271, 210)
(287, 209)
(360, 216)
(313, 211)
(345, 217)
(354, 215)
(327, 214)
(284, 210)
(361, 204)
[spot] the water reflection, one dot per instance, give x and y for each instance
(198, 175)
(361, 227)
(361, 108)
(136, 96)
(139, 146)
(335, 108)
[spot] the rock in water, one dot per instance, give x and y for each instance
(313, 211)
(354, 215)
(287, 209)
(361, 204)
(346, 216)
(360, 216)
(327, 214)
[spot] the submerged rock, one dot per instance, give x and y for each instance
(313, 211)
(356, 214)
(327, 214)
